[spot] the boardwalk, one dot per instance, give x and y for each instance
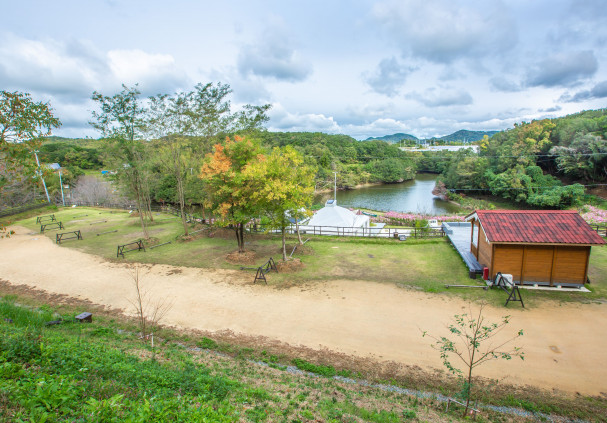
(459, 235)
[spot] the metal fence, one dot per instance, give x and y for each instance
(20, 209)
(600, 229)
(372, 232)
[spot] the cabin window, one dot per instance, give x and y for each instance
(475, 235)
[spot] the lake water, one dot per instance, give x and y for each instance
(411, 196)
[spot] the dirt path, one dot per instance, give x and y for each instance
(564, 344)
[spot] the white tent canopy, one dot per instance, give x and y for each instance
(333, 215)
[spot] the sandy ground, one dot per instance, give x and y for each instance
(565, 345)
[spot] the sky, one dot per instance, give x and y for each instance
(361, 68)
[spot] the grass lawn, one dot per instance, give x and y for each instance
(425, 265)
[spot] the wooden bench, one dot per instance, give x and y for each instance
(48, 217)
(71, 235)
(136, 246)
(57, 225)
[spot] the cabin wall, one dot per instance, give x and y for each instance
(473, 248)
(571, 264)
(484, 249)
(507, 259)
(542, 263)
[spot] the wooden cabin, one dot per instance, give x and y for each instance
(537, 247)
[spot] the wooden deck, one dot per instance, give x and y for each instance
(459, 235)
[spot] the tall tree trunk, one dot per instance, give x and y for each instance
(239, 231)
(147, 198)
(298, 233)
(140, 209)
(241, 238)
(180, 192)
(284, 244)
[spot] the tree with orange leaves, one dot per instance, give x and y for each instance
(229, 186)
(283, 188)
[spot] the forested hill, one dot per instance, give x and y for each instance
(464, 135)
(526, 163)
(356, 162)
(394, 138)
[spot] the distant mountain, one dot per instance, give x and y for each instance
(467, 136)
(393, 138)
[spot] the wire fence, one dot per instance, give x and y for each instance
(371, 232)
(397, 233)
(190, 217)
(600, 229)
(20, 209)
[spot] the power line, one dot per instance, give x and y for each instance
(522, 188)
(475, 156)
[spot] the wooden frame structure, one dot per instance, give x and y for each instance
(265, 269)
(48, 217)
(537, 247)
(138, 246)
(58, 225)
(61, 236)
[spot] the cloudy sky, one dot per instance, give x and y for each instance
(362, 68)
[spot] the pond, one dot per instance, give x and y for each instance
(411, 196)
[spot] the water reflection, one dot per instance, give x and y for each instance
(411, 196)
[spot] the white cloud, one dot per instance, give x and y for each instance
(73, 69)
(597, 91)
(389, 76)
(48, 67)
(155, 73)
(443, 31)
(563, 69)
(274, 56)
(433, 97)
(282, 120)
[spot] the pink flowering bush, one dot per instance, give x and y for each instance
(409, 219)
(594, 215)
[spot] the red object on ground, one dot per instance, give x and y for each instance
(486, 273)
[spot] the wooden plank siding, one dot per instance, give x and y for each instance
(541, 263)
(484, 248)
(570, 265)
(508, 259)
(537, 265)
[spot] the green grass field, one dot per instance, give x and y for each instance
(425, 265)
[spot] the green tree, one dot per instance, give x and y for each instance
(282, 187)
(472, 345)
(204, 112)
(175, 159)
(22, 123)
(585, 157)
(122, 121)
(231, 192)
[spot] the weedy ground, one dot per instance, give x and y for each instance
(103, 372)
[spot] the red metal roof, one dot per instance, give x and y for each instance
(537, 226)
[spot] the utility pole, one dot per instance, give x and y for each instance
(61, 185)
(335, 188)
(41, 176)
